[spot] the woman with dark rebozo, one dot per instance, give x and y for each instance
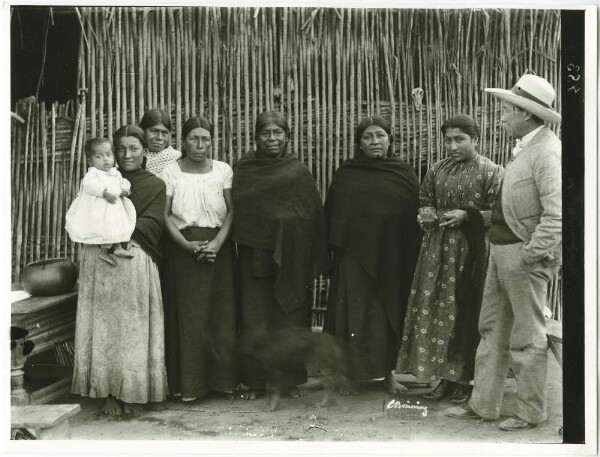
(371, 211)
(279, 229)
(440, 329)
(199, 269)
(119, 332)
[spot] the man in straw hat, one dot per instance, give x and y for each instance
(525, 238)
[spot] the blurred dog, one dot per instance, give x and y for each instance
(280, 353)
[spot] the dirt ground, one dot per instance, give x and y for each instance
(357, 418)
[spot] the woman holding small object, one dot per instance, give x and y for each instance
(199, 279)
(440, 330)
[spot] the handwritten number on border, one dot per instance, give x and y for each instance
(573, 78)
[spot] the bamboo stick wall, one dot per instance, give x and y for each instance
(324, 68)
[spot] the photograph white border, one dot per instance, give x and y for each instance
(204, 447)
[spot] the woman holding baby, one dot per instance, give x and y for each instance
(119, 335)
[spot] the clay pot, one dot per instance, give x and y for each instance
(49, 277)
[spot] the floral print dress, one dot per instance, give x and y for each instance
(432, 305)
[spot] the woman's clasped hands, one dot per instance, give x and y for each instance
(204, 251)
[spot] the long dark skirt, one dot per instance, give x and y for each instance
(200, 319)
(354, 314)
(261, 313)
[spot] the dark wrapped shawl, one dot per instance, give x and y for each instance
(278, 209)
(148, 195)
(371, 212)
(469, 293)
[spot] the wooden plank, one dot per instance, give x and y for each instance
(41, 416)
(556, 349)
(50, 392)
(60, 432)
(47, 371)
(554, 330)
(49, 339)
(35, 304)
(555, 339)
(47, 320)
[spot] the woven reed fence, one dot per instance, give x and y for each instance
(324, 68)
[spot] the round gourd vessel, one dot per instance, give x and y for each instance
(49, 277)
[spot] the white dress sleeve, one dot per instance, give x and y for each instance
(227, 176)
(93, 184)
(167, 176)
(124, 183)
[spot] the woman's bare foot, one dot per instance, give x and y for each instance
(392, 386)
(131, 408)
(112, 407)
(294, 392)
(347, 390)
(191, 399)
(251, 394)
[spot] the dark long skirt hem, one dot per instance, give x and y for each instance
(261, 313)
(354, 314)
(200, 318)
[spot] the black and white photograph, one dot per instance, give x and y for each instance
(301, 227)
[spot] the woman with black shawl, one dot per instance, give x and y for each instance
(371, 211)
(440, 329)
(119, 334)
(279, 228)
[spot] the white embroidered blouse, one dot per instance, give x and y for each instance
(198, 199)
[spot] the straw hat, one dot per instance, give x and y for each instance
(533, 94)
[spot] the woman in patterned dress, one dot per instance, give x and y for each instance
(156, 125)
(440, 330)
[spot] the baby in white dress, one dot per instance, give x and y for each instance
(101, 214)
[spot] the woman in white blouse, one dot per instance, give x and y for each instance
(198, 275)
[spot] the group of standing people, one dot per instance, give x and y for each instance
(184, 257)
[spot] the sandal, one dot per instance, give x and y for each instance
(441, 390)
(460, 393)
